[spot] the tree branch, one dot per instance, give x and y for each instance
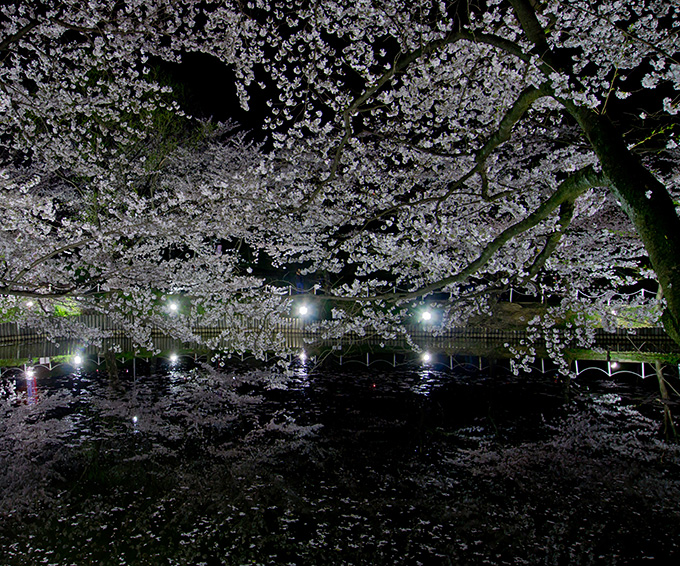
(401, 64)
(568, 191)
(4, 45)
(566, 215)
(514, 114)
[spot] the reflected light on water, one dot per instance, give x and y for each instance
(427, 381)
(31, 386)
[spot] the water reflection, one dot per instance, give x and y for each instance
(427, 381)
(223, 462)
(31, 386)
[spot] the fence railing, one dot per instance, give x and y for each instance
(295, 330)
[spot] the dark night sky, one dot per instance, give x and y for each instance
(209, 91)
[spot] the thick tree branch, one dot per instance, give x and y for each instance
(532, 28)
(566, 215)
(513, 115)
(4, 45)
(567, 192)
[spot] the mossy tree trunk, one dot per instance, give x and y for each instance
(646, 202)
(644, 198)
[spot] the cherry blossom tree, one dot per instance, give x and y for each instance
(440, 149)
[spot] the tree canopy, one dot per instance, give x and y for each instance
(392, 153)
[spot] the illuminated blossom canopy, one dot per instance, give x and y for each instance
(391, 152)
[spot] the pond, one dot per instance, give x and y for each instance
(227, 464)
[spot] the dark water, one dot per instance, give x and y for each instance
(193, 466)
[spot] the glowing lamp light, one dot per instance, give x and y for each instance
(427, 357)
(173, 358)
(615, 365)
(426, 316)
(173, 307)
(135, 419)
(30, 373)
(303, 310)
(303, 356)
(77, 360)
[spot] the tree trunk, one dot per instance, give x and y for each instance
(644, 198)
(646, 202)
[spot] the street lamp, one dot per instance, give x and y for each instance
(428, 316)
